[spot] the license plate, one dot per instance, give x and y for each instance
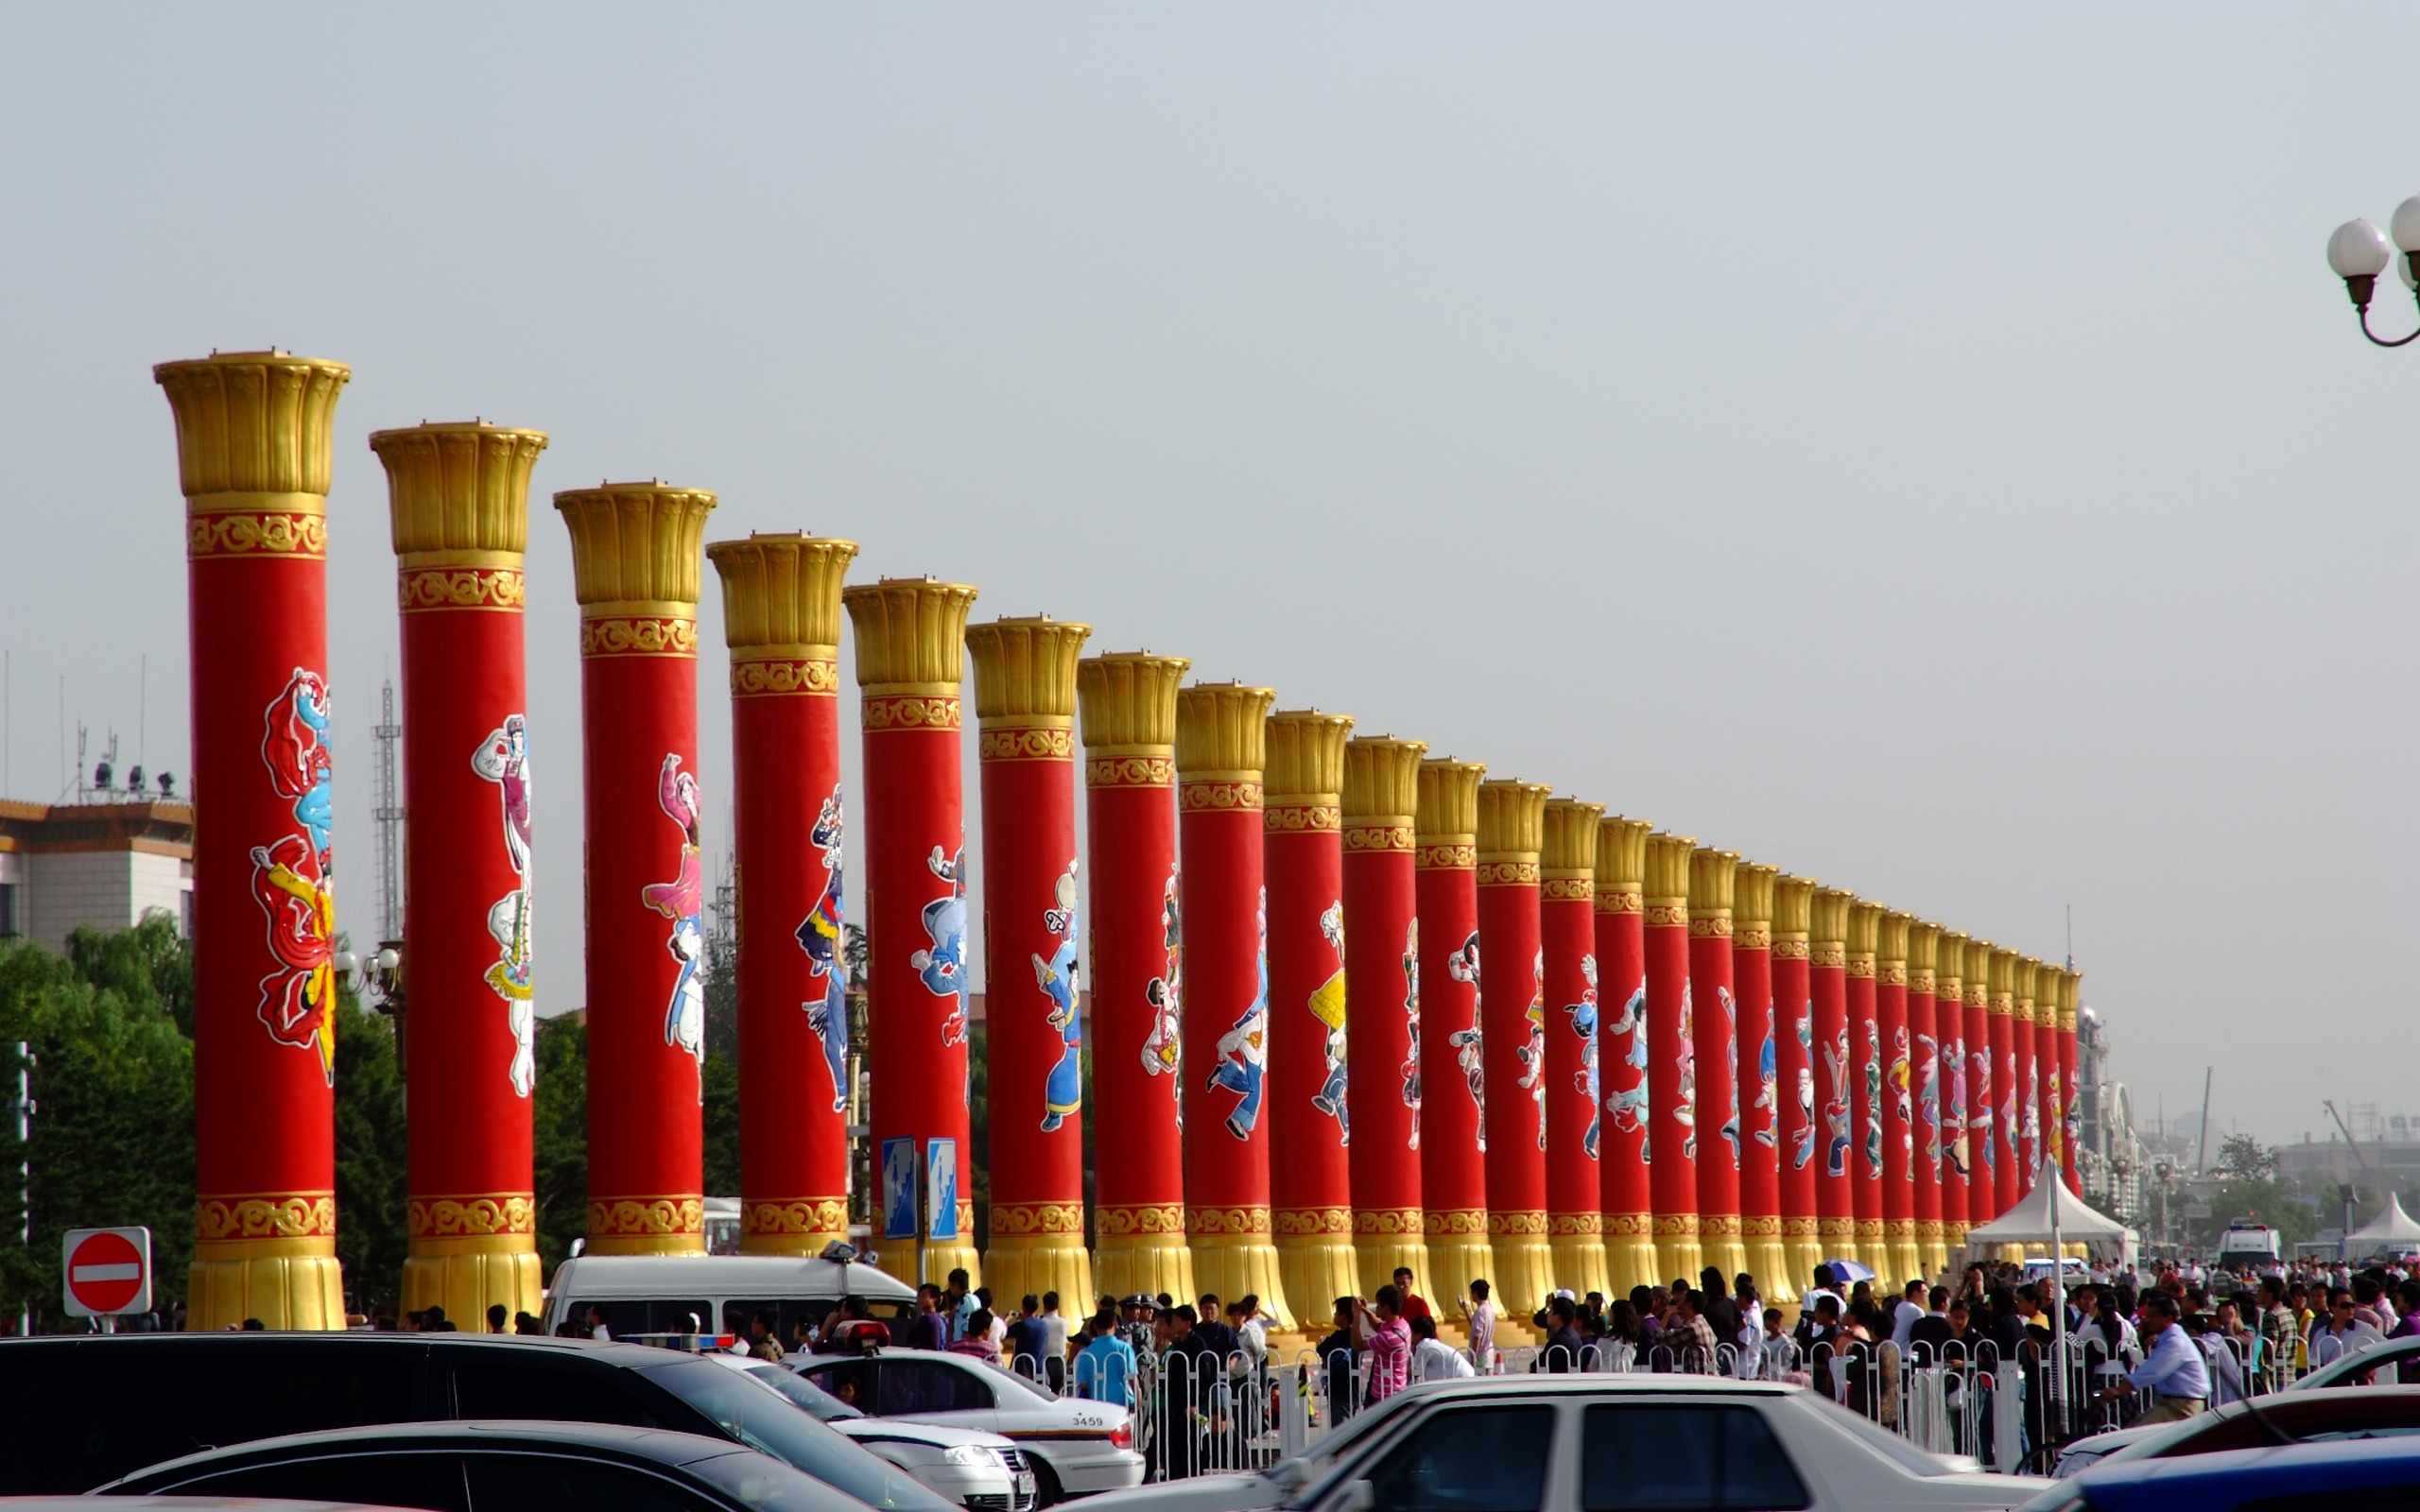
(1025, 1485)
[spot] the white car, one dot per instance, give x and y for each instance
(1565, 1443)
(978, 1470)
(2349, 1371)
(1076, 1447)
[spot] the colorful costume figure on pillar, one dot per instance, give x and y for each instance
(503, 758)
(1327, 1005)
(1979, 1120)
(1685, 1113)
(1063, 1092)
(2011, 1127)
(1409, 1070)
(1163, 1048)
(1902, 1107)
(1533, 1055)
(1244, 1050)
(819, 935)
(1929, 1101)
(2032, 1111)
(1802, 1140)
(1768, 1090)
(1583, 1023)
(1730, 1053)
(1836, 1108)
(295, 745)
(1628, 1104)
(293, 876)
(683, 901)
(1954, 1145)
(1873, 1099)
(1462, 966)
(942, 963)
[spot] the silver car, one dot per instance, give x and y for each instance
(1076, 1447)
(980, 1471)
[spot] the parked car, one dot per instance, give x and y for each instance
(658, 1294)
(2308, 1417)
(1076, 1447)
(1573, 1442)
(176, 1504)
(77, 1411)
(498, 1466)
(979, 1470)
(2353, 1370)
(2334, 1477)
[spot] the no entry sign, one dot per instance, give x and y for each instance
(108, 1271)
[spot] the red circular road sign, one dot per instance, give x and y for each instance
(104, 1272)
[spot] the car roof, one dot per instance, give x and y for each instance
(661, 1445)
(602, 1277)
(179, 1504)
(1584, 1383)
(636, 1356)
(2305, 1465)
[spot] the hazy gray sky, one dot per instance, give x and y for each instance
(1921, 448)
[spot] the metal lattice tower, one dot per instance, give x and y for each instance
(389, 815)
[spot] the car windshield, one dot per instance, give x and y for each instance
(1302, 1474)
(804, 1393)
(1881, 1441)
(2353, 1369)
(756, 1481)
(749, 1413)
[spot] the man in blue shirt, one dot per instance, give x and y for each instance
(2171, 1365)
(1105, 1367)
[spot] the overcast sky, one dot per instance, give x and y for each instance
(1923, 449)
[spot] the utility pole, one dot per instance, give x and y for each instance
(2202, 1155)
(389, 815)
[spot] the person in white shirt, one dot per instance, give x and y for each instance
(1432, 1358)
(1903, 1316)
(1481, 1313)
(2174, 1370)
(2341, 1334)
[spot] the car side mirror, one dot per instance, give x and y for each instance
(1358, 1496)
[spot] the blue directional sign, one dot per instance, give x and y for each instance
(899, 1189)
(941, 1185)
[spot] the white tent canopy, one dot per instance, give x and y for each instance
(2392, 1230)
(2050, 1209)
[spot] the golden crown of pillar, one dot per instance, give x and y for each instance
(1890, 947)
(1949, 966)
(2021, 986)
(1793, 915)
(1622, 862)
(781, 593)
(1828, 928)
(1025, 673)
(1127, 703)
(2070, 987)
(1979, 972)
(635, 547)
(1573, 832)
(911, 635)
(1752, 904)
(1666, 886)
(457, 495)
(1865, 933)
(1306, 761)
(1222, 731)
(1714, 877)
(1924, 954)
(2003, 980)
(1448, 802)
(1382, 780)
(253, 421)
(1511, 830)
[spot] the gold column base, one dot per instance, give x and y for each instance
(953, 1254)
(1145, 1262)
(287, 1283)
(1802, 1250)
(1836, 1239)
(1869, 1247)
(1769, 1259)
(1907, 1265)
(1234, 1255)
(1678, 1254)
(792, 1226)
(1459, 1254)
(674, 1224)
(1578, 1243)
(467, 1274)
(1930, 1247)
(1524, 1275)
(1384, 1238)
(1630, 1251)
(1317, 1263)
(1722, 1241)
(1033, 1264)
(1953, 1235)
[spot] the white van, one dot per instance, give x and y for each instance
(659, 1294)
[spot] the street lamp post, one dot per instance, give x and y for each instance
(379, 979)
(2359, 252)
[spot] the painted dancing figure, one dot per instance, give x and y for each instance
(1583, 1016)
(683, 901)
(819, 935)
(1063, 1092)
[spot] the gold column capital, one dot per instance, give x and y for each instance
(1127, 701)
(1949, 967)
(635, 548)
(1829, 927)
(458, 493)
(1512, 818)
(1713, 881)
(1621, 865)
(1447, 809)
(2028, 967)
(2002, 1000)
(781, 593)
(1865, 936)
(252, 423)
(1752, 904)
(1572, 829)
(1890, 947)
(1923, 956)
(1793, 917)
(1222, 732)
(1306, 749)
(2071, 986)
(1668, 879)
(1025, 671)
(911, 635)
(1381, 791)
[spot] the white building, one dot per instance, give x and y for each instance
(103, 864)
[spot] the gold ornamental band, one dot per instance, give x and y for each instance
(1576, 1224)
(1719, 1224)
(1861, 966)
(1514, 1225)
(1790, 950)
(786, 677)
(1676, 1226)
(1241, 1222)
(1702, 927)
(1389, 1221)
(1620, 901)
(1131, 771)
(1799, 1229)
(267, 1216)
(247, 501)
(499, 589)
(1569, 890)
(1508, 874)
(1752, 937)
(646, 1217)
(257, 534)
(1379, 837)
(1830, 954)
(915, 711)
(1030, 744)
(1149, 1218)
(1920, 981)
(1310, 1222)
(638, 636)
(484, 1213)
(1224, 798)
(1668, 915)
(1288, 818)
(1446, 857)
(1454, 1221)
(1630, 1225)
(1891, 973)
(1869, 1228)
(1766, 1227)
(1011, 1220)
(793, 1216)
(1928, 1229)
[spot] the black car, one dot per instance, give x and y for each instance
(78, 1412)
(498, 1467)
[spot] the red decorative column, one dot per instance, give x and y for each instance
(1982, 1129)
(253, 435)
(1898, 1105)
(1715, 1053)
(1575, 1083)
(1759, 1073)
(911, 658)
(1802, 1143)
(458, 496)
(2029, 1077)
(1924, 1075)
(1222, 744)
(1382, 1010)
(1949, 1011)
(2008, 1122)
(1025, 701)
(1129, 706)
(1453, 1105)
(1865, 1088)
(781, 602)
(635, 552)
(1672, 1148)
(1836, 1152)
(1621, 1052)
(2071, 1100)
(1512, 831)
(1310, 1190)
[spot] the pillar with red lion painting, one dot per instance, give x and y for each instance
(1024, 702)
(781, 601)
(1802, 1143)
(2023, 1038)
(1512, 1009)
(1575, 1085)
(1673, 1147)
(1621, 1053)
(2007, 1122)
(1453, 1105)
(1759, 1073)
(1924, 1075)
(1310, 1118)
(1382, 1008)
(254, 430)
(1222, 751)
(1127, 703)
(1957, 1151)
(1836, 1153)
(459, 498)
(2071, 1095)
(911, 658)
(1715, 1057)
(1898, 1121)
(1865, 1085)
(636, 549)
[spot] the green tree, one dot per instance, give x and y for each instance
(2242, 1157)
(372, 1189)
(560, 1112)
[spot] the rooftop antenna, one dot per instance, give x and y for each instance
(2202, 1155)
(143, 710)
(2071, 937)
(389, 815)
(8, 716)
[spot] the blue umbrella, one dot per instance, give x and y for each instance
(1850, 1271)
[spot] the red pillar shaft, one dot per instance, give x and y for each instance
(1673, 1147)
(1453, 1108)
(1949, 1019)
(1381, 898)
(2029, 1090)
(2006, 1119)
(1836, 1150)
(1574, 1086)
(1511, 819)
(1714, 1054)
(254, 433)
(1923, 1069)
(1983, 1144)
(1802, 1140)
(1865, 1089)
(2071, 1107)
(1621, 1052)
(1898, 1105)
(1759, 1081)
